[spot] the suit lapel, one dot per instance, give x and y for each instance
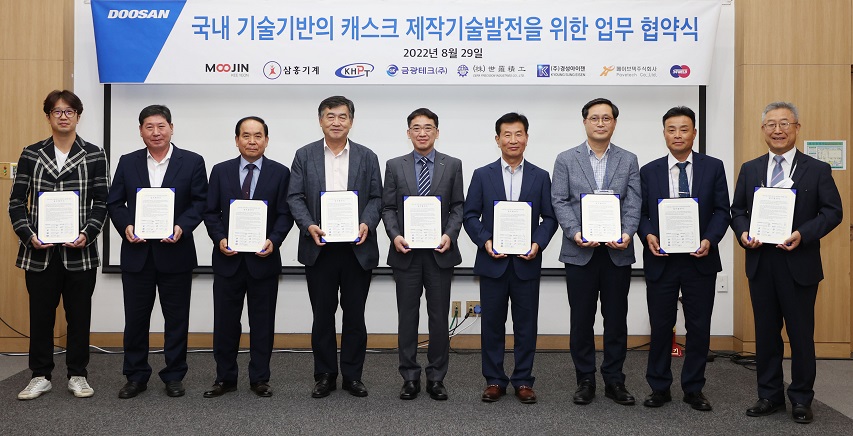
(663, 176)
(528, 178)
(698, 173)
(232, 181)
(354, 165)
(612, 166)
(264, 179)
(317, 156)
(48, 156)
(438, 172)
(175, 163)
(75, 156)
(761, 170)
(586, 167)
(141, 165)
(407, 167)
(496, 174)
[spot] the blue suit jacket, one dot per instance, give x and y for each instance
(487, 186)
(186, 173)
(709, 186)
(308, 178)
(817, 211)
(272, 187)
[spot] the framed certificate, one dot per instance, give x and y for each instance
(511, 233)
(422, 221)
(247, 225)
(58, 216)
(155, 213)
(601, 217)
(678, 221)
(772, 217)
(339, 216)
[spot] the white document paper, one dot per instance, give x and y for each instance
(601, 218)
(678, 221)
(339, 216)
(422, 221)
(155, 213)
(511, 233)
(247, 225)
(58, 219)
(772, 215)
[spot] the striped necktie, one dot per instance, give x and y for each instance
(423, 177)
(777, 174)
(683, 187)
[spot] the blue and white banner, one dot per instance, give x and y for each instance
(536, 42)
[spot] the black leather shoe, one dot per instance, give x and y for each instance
(697, 401)
(585, 392)
(355, 388)
(802, 414)
(619, 394)
(410, 389)
(175, 388)
(220, 389)
(764, 407)
(324, 386)
(436, 390)
(261, 389)
(131, 389)
(658, 398)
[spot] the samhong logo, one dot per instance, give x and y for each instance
(679, 71)
(122, 14)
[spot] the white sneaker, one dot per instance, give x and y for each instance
(80, 387)
(37, 386)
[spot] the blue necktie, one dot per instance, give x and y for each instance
(423, 177)
(247, 182)
(683, 187)
(777, 174)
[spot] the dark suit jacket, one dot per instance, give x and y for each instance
(308, 178)
(709, 186)
(186, 173)
(817, 211)
(487, 186)
(225, 186)
(401, 181)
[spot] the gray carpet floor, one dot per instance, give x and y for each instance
(730, 388)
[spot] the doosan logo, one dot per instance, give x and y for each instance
(679, 71)
(137, 13)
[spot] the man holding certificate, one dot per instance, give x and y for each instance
(247, 218)
(784, 273)
(422, 210)
(335, 196)
(509, 217)
(58, 208)
(684, 215)
(597, 247)
(157, 255)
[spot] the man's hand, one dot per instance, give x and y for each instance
(315, 232)
(80, 242)
(792, 242)
(223, 248)
(581, 243)
(704, 249)
(626, 241)
(445, 244)
(749, 242)
(175, 236)
(37, 244)
(534, 250)
(401, 245)
(362, 233)
(491, 251)
(654, 245)
(130, 236)
(266, 250)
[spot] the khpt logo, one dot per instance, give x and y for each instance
(352, 71)
(226, 68)
(137, 13)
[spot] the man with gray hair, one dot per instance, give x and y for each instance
(785, 293)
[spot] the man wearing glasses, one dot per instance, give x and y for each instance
(423, 172)
(64, 162)
(593, 268)
(783, 278)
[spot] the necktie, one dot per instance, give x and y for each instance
(777, 175)
(683, 187)
(423, 177)
(247, 182)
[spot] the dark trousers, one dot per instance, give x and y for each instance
(585, 283)
(423, 273)
(697, 299)
(140, 289)
(45, 288)
(228, 296)
(338, 268)
(777, 297)
(495, 295)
